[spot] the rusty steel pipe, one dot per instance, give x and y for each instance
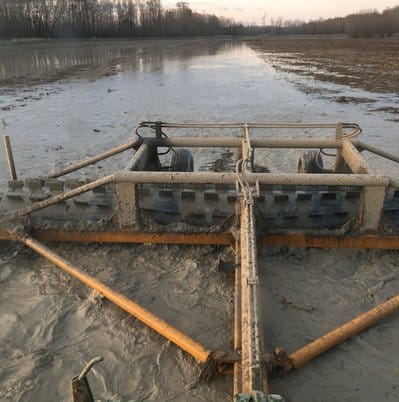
(10, 158)
(99, 157)
(300, 240)
(329, 241)
(189, 345)
(224, 238)
(342, 333)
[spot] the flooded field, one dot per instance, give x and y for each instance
(62, 101)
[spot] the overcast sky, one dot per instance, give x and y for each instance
(254, 10)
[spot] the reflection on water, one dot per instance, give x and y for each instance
(26, 58)
(198, 80)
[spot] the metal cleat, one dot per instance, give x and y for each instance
(165, 194)
(72, 183)
(328, 196)
(187, 195)
(211, 196)
(15, 185)
(36, 190)
(100, 190)
(232, 199)
(34, 184)
(302, 196)
(350, 195)
(15, 191)
(281, 197)
(55, 185)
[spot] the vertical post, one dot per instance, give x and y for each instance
(10, 159)
(127, 194)
(158, 130)
(340, 165)
(371, 205)
(127, 211)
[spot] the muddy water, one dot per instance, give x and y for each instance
(215, 80)
(65, 101)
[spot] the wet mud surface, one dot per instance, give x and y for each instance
(369, 64)
(50, 324)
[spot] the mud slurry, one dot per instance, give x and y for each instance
(180, 284)
(308, 293)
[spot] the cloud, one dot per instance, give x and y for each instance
(254, 10)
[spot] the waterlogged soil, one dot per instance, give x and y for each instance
(370, 64)
(84, 97)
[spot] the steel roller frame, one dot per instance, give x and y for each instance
(248, 362)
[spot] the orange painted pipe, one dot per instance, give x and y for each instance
(192, 347)
(134, 237)
(325, 241)
(223, 238)
(342, 333)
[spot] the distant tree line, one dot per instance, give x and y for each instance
(148, 18)
(106, 18)
(363, 24)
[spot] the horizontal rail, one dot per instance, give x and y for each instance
(134, 237)
(180, 339)
(299, 240)
(249, 125)
(299, 179)
(99, 157)
(356, 130)
(225, 142)
(302, 240)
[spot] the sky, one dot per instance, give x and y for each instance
(254, 10)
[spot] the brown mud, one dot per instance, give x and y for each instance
(368, 64)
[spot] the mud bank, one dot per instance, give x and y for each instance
(369, 64)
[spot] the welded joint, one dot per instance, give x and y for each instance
(217, 362)
(279, 363)
(15, 229)
(353, 159)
